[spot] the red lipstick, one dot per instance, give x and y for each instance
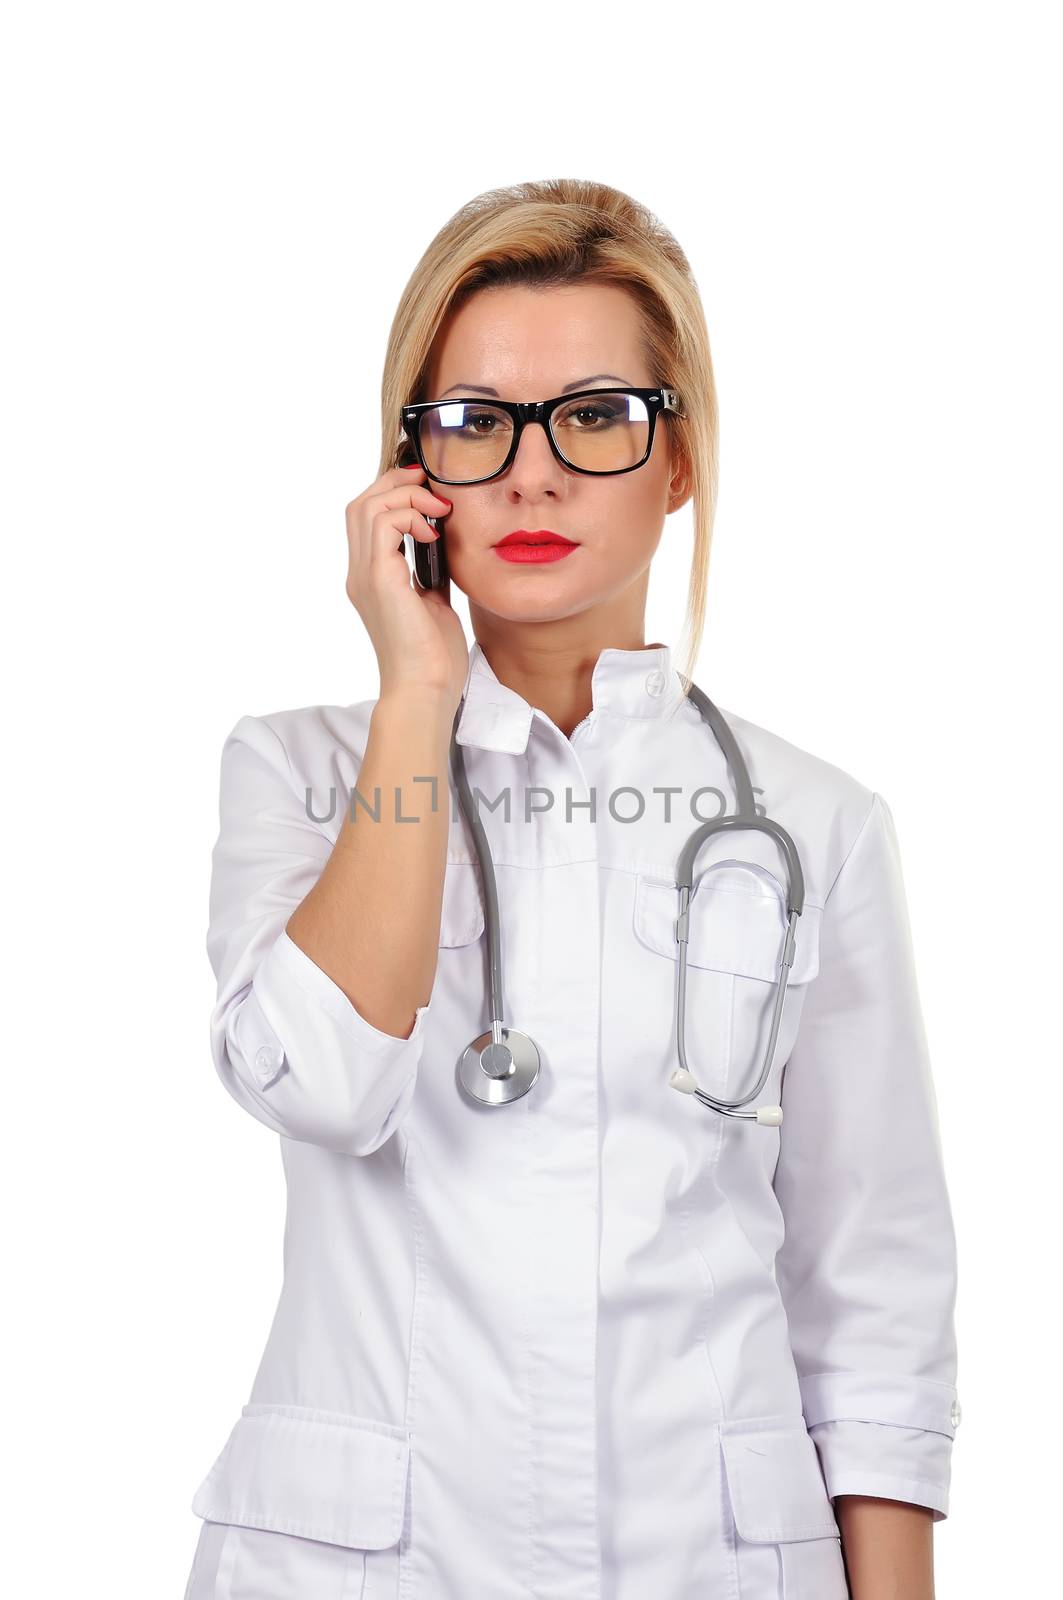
(534, 545)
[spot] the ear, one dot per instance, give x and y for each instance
(680, 484)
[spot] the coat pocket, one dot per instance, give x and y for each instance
(306, 1493)
(787, 1542)
(462, 914)
(736, 930)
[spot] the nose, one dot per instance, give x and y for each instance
(535, 469)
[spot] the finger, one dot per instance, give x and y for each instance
(397, 496)
(426, 536)
(394, 477)
(402, 520)
(432, 504)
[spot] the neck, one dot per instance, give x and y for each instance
(551, 665)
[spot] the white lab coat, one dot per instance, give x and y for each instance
(599, 1343)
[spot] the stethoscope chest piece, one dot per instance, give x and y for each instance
(495, 1072)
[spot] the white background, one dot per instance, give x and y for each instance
(211, 211)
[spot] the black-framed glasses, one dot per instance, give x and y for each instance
(597, 431)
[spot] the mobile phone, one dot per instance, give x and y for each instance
(429, 560)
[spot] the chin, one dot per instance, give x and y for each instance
(547, 608)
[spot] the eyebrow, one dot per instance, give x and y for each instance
(579, 383)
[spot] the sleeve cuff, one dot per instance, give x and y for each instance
(886, 1397)
(316, 1069)
(289, 959)
(887, 1461)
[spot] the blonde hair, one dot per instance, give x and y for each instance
(559, 231)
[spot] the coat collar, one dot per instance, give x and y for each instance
(639, 684)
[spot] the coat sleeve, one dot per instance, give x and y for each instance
(287, 1043)
(867, 1268)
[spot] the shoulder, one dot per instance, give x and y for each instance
(307, 731)
(786, 766)
(817, 800)
(307, 744)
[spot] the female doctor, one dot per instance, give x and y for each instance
(618, 1259)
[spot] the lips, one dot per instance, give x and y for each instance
(534, 546)
(534, 536)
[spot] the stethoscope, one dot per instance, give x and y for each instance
(502, 1064)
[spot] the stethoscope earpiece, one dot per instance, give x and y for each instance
(685, 1082)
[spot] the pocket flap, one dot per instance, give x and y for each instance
(318, 1474)
(735, 923)
(462, 915)
(776, 1482)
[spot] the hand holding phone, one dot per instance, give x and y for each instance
(417, 635)
(429, 560)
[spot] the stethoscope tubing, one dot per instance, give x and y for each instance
(509, 1061)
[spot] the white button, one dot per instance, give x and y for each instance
(654, 682)
(268, 1062)
(955, 1414)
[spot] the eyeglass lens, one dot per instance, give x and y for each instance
(464, 440)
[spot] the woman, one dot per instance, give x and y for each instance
(593, 1338)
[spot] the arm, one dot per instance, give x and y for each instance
(384, 957)
(867, 1268)
(889, 1548)
(325, 956)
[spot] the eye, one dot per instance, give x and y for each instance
(480, 422)
(590, 416)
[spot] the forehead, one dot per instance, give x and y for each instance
(529, 342)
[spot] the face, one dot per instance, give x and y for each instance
(529, 344)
